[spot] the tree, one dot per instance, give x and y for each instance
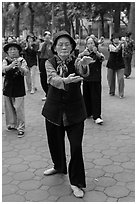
(18, 7)
(131, 24)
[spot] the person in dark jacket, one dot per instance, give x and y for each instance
(14, 68)
(64, 110)
(30, 55)
(115, 66)
(129, 48)
(92, 83)
(45, 54)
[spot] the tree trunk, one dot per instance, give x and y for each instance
(102, 24)
(131, 23)
(17, 19)
(116, 17)
(31, 17)
(77, 25)
(67, 23)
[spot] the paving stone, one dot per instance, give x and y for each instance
(32, 158)
(18, 168)
(102, 161)
(109, 199)
(36, 195)
(4, 170)
(69, 198)
(120, 158)
(129, 165)
(13, 198)
(9, 189)
(23, 176)
(9, 154)
(29, 185)
(7, 149)
(127, 199)
(6, 179)
(27, 152)
(60, 190)
(37, 164)
(105, 181)
(116, 191)
(93, 155)
(52, 180)
(95, 196)
(124, 177)
(95, 173)
(13, 161)
(113, 168)
(110, 152)
(89, 165)
(131, 186)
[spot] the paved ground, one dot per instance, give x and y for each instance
(109, 154)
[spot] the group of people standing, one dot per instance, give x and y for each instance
(65, 108)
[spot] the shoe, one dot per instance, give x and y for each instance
(44, 99)
(111, 94)
(78, 193)
(49, 172)
(121, 97)
(9, 128)
(20, 134)
(32, 92)
(99, 121)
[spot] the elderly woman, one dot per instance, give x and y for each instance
(14, 67)
(64, 110)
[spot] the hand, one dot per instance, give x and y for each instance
(95, 50)
(86, 60)
(72, 79)
(14, 64)
(86, 52)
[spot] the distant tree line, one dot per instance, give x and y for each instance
(38, 16)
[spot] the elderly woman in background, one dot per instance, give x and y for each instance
(64, 110)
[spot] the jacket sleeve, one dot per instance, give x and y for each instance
(53, 78)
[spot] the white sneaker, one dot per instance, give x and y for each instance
(50, 171)
(32, 92)
(98, 121)
(78, 193)
(44, 99)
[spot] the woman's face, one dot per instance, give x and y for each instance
(30, 39)
(116, 40)
(90, 44)
(63, 47)
(13, 52)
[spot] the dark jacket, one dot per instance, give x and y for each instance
(68, 101)
(30, 55)
(46, 51)
(13, 83)
(115, 60)
(95, 68)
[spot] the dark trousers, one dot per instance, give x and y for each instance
(43, 75)
(92, 98)
(56, 142)
(127, 61)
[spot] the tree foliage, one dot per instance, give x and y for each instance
(38, 16)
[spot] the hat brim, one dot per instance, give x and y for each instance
(72, 41)
(7, 46)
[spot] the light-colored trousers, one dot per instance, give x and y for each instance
(14, 112)
(31, 78)
(111, 77)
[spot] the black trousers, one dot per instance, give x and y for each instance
(127, 61)
(92, 98)
(43, 75)
(56, 142)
